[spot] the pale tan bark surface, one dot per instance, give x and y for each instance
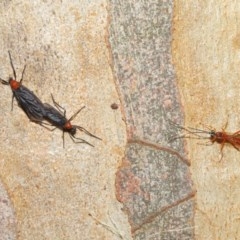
(53, 190)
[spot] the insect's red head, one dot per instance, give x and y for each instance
(13, 83)
(69, 128)
(216, 137)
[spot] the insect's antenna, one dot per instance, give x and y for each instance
(87, 132)
(23, 73)
(187, 136)
(11, 62)
(12, 102)
(189, 129)
(75, 114)
(193, 133)
(195, 130)
(4, 81)
(81, 140)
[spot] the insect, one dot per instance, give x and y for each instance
(220, 137)
(57, 117)
(26, 99)
(223, 137)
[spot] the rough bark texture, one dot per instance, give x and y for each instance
(153, 182)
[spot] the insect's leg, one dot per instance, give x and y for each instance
(11, 62)
(12, 101)
(60, 108)
(75, 114)
(222, 145)
(22, 74)
(221, 150)
(81, 140)
(224, 127)
(63, 139)
(4, 81)
(44, 124)
(236, 133)
(235, 146)
(49, 129)
(221, 157)
(87, 132)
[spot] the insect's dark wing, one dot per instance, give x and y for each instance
(53, 116)
(30, 103)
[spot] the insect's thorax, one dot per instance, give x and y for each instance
(69, 128)
(14, 84)
(219, 137)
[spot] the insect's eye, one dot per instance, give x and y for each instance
(212, 134)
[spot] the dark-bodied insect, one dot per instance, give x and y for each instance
(57, 117)
(220, 137)
(26, 99)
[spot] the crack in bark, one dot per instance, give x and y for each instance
(159, 147)
(151, 218)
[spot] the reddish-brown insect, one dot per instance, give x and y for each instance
(224, 137)
(220, 137)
